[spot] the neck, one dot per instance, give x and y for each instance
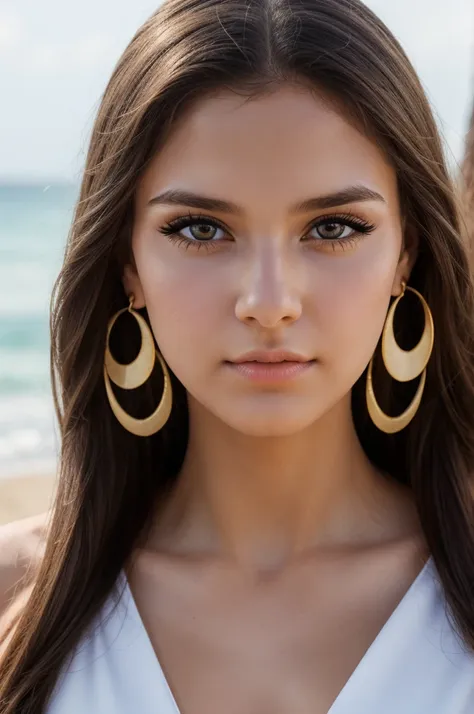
(263, 501)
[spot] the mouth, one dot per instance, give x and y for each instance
(270, 367)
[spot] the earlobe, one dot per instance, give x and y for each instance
(132, 285)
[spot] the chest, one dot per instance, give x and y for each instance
(264, 650)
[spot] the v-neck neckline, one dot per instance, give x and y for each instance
(351, 681)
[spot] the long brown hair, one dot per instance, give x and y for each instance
(111, 482)
(467, 182)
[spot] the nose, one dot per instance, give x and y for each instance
(269, 295)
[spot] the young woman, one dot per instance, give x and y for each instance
(262, 356)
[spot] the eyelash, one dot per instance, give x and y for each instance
(172, 228)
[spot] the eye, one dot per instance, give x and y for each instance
(334, 230)
(201, 231)
(194, 229)
(340, 228)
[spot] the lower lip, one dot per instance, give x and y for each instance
(271, 371)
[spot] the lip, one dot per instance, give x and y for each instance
(271, 367)
(270, 357)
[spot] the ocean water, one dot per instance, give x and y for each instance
(34, 222)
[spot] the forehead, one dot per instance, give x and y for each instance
(280, 147)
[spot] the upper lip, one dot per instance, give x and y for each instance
(270, 356)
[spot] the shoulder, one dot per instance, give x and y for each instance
(22, 545)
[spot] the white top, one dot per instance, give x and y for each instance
(415, 665)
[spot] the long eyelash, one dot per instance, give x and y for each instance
(361, 226)
(358, 224)
(172, 228)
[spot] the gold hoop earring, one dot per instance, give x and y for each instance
(134, 374)
(402, 365)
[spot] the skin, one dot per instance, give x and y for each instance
(278, 521)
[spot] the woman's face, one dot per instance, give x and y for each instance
(301, 254)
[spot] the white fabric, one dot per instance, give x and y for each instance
(416, 664)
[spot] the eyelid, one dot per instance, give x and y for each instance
(360, 225)
(342, 217)
(184, 221)
(334, 216)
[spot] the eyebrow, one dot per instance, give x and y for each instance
(351, 194)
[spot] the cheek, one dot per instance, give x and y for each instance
(185, 304)
(353, 308)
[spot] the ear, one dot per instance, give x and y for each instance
(132, 285)
(407, 259)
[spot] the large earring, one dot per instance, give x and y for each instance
(134, 374)
(402, 365)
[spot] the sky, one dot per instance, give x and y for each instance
(56, 58)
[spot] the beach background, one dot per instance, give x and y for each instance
(54, 66)
(34, 220)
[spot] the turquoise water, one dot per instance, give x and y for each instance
(34, 222)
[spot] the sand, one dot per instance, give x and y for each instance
(24, 496)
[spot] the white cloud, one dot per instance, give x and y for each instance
(41, 60)
(83, 54)
(10, 30)
(92, 50)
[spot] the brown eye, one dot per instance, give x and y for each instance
(339, 228)
(196, 232)
(202, 231)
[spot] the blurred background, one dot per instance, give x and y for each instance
(55, 60)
